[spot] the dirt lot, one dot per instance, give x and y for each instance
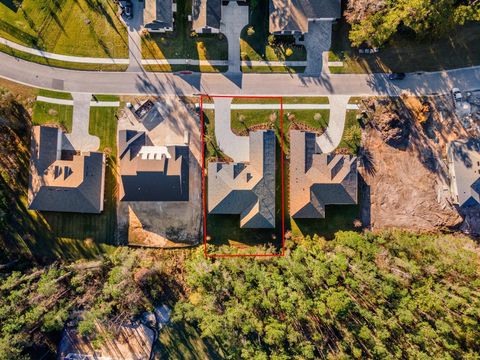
(166, 224)
(407, 186)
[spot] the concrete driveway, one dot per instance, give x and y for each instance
(134, 27)
(331, 138)
(234, 19)
(79, 138)
(234, 146)
(317, 40)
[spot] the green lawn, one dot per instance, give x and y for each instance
(183, 44)
(105, 97)
(351, 134)
(61, 64)
(50, 114)
(256, 46)
(84, 235)
(459, 49)
(55, 94)
(72, 27)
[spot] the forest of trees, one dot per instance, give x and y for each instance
(376, 22)
(392, 295)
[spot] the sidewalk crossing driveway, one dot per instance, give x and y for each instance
(317, 40)
(234, 19)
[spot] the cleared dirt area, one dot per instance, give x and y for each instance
(406, 181)
(166, 223)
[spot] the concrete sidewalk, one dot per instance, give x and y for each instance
(71, 102)
(277, 106)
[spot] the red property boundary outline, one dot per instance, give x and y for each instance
(204, 198)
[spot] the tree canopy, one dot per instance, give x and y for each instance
(392, 295)
(378, 23)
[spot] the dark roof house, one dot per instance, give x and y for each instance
(206, 16)
(246, 189)
(318, 180)
(464, 168)
(151, 173)
(293, 16)
(158, 15)
(64, 183)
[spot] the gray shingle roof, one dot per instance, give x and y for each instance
(206, 13)
(155, 178)
(464, 161)
(318, 180)
(246, 189)
(55, 184)
(158, 14)
(293, 15)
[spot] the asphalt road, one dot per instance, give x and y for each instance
(232, 83)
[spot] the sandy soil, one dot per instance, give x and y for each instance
(166, 224)
(408, 188)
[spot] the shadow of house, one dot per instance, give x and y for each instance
(13, 5)
(152, 173)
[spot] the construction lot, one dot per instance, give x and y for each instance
(171, 121)
(404, 166)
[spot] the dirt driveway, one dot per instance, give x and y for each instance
(166, 224)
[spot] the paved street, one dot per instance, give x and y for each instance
(232, 84)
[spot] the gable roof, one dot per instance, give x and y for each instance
(151, 173)
(246, 189)
(206, 13)
(158, 14)
(293, 15)
(464, 158)
(318, 180)
(65, 185)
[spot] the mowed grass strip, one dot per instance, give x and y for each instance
(55, 94)
(69, 27)
(53, 114)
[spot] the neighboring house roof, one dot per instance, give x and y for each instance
(293, 15)
(464, 161)
(206, 14)
(318, 180)
(246, 189)
(59, 184)
(158, 14)
(151, 173)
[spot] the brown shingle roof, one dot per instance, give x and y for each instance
(317, 180)
(293, 15)
(55, 184)
(246, 189)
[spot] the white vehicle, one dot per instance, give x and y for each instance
(457, 95)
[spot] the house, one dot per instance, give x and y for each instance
(158, 15)
(464, 167)
(64, 181)
(292, 17)
(206, 16)
(318, 180)
(246, 189)
(151, 173)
